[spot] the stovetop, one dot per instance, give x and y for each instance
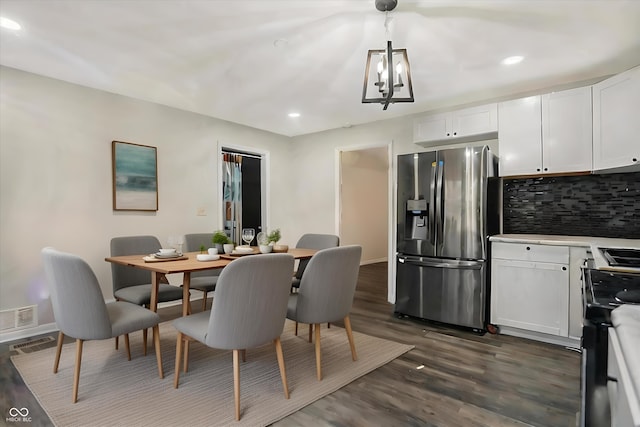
(622, 257)
(601, 288)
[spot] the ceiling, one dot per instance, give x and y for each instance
(253, 62)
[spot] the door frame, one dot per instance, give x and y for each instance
(390, 200)
(265, 177)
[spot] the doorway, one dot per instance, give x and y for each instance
(242, 192)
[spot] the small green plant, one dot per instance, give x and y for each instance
(220, 237)
(202, 249)
(273, 236)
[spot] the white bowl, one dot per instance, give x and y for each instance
(213, 251)
(265, 249)
(207, 257)
(243, 249)
(168, 251)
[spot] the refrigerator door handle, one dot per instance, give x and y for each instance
(439, 208)
(432, 206)
(440, 263)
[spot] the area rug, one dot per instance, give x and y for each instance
(114, 391)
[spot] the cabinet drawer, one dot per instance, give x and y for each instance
(530, 252)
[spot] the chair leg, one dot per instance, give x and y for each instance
(318, 357)
(310, 331)
(283, 372)
(76, 375)
(296, 331)
(126, 345)
(244, 355)
(329, 325)
(156, 341)
(179, 343)
(347, 327)
(144, 341)
(58, 352)
(236, 382)
(204, 300)
(117, 342)
(185, 368)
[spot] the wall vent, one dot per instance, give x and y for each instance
(18, 318)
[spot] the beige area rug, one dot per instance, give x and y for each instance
(114, 391)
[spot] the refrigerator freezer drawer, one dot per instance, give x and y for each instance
(447, 291)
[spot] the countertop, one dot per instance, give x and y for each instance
(582, 241)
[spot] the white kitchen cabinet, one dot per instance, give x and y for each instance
(616, 121)
(530, 287)
(469, 124)
(546, 134)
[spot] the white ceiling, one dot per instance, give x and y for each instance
(252, 62)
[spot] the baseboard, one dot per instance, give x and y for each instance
(28, 332)
(537, 336)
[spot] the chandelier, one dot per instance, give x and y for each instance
(387, 76)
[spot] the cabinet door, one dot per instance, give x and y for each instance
(530, 296)
(431, 128)
(616, 121)
(520, 136)
(566, 131)
(474, 121)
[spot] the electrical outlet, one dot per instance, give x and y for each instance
(201, 212)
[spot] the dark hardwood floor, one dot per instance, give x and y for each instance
(451, 378)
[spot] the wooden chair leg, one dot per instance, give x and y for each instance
(179, 343)
(236, 382)
(318, 357)
(156, 341)
(283, 372)
(296, 331)
(204, 300)
(76, 375)
(347, 327)
(144, 341)
(126, 345)
(310, 331)
(58, 352)
(185, 368)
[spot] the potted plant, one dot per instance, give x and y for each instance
(219, 239)
(273, 237)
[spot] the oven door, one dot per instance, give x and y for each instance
(593, 379)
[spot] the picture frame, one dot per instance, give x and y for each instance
(135, 177)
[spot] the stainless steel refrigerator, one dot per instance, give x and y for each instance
(446, 209)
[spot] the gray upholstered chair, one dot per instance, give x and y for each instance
(203, 281)
(248, 311)
(134, 284)
(312, 241)
(326, 292)
(81, 312)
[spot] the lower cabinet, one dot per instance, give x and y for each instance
(530, 287)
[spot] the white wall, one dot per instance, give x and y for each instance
(55, 176)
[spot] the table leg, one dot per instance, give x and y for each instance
(186, 281)
(155, 286)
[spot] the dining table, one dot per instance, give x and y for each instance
(187, 263)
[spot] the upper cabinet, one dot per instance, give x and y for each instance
(546, 134)
(616, 121)
(469, 124)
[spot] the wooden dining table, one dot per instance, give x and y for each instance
(187, 264)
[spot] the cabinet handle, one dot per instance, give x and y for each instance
(455, 133)
(634, 160)
(528, 248)
(564, 268)
(538, 169)
(448, 134)
(546, 169)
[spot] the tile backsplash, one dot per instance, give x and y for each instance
(591, 205)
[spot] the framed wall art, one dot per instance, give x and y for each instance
(135, 177)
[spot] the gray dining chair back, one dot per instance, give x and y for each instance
(314, 241)
(123, 275)
(326, 293)
(81, 312)
(248, 311)
(204, 281)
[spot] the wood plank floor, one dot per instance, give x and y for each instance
(465, 379)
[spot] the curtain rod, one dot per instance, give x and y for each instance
(242, 153)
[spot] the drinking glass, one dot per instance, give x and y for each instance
(248, 234)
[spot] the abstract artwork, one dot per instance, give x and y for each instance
(135, 177)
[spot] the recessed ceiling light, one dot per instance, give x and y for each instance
(511, 60)
(9, 24)
(294, 114)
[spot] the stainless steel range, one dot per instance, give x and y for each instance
(603, 291)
